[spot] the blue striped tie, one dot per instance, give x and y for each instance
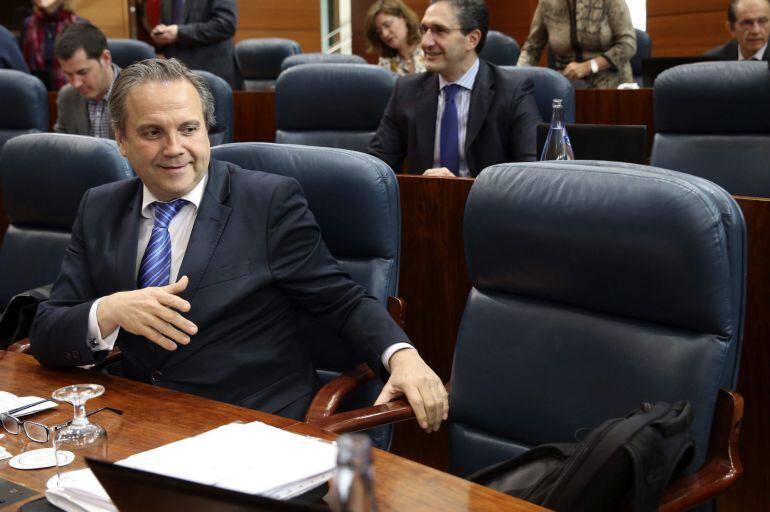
(449, 142)
(155, 269)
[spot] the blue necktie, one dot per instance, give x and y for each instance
(155, 269)
(177, 11)
(449, 149)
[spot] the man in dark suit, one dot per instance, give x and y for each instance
(200, 34)
(10, 54)
(197, 269)
(748, 21)
(463, 114)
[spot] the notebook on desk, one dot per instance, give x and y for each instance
(134, 490)
(611, 142)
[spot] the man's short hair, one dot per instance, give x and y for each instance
(81, 34)
(471, 15)
(731, 16)
(156, 70)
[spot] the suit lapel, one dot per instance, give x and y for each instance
(128, 241)
(207, 230)
(481, 98)
(425, 122)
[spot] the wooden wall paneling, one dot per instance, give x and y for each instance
(752, 492)
(111, 16)
(512, 18)
(689, 33)
(292, 19)
(667, 7)
(254, 116)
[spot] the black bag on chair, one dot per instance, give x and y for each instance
(625, 462)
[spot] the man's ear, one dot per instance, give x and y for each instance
(120, 139)
(106, 58)
(473, 37)
(729, 29)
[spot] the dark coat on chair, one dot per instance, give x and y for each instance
(205, 37)
(255, 256)
(729, 51)
(502, 121)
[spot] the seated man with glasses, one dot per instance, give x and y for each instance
(748, 21)
(463, 114)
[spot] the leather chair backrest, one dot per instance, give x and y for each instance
(711, 120)
(260, 60)
(643, 51)
(500, 49)
(331, 105)
(23, 103)
(354, 198)
(320, 58)
(549, 85)
(43, 177)
(222, 131)
(596, 286)
(128, 51)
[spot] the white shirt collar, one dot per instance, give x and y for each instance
(759, 55)
(194, 196)
(466, 81)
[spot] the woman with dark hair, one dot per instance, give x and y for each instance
(38, 36)
(592, 40)
(393, 31)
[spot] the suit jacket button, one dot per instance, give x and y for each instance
(68, 356)
(155, 376)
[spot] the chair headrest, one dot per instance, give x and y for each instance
(128, 51)
(44, 175)
(24, 101)
(619, 239)
(500, 49)
(343, 188)
(223, 105)
(261, 58)
(332, 97)
(713, 97)
(549, 84)
(320, 58)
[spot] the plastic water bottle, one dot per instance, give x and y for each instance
(557, 145)
(353, 487)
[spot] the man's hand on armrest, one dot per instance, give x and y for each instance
(440, 172)
(152, 312)
(411, 377)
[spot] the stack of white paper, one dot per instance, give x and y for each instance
(9, 401)
(253, 458)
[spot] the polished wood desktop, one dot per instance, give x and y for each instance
(153, 416)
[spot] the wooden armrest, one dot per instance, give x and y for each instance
(330, 395)
(361, 419)
(397, 310)
(22, 346)
(114, 356)
(723, 464)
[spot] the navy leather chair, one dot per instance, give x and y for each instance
(354, 198)
(320, 58)
(331, 105)
(549, 84)
(500, 49)
(260, 60)
(222, 131)
(643, 51)
(23, 103)
(43, 178)
(711, 121)
(127, 51)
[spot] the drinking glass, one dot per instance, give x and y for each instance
(81, 437)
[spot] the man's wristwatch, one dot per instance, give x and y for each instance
(594, 67)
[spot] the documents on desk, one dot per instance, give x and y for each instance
(9, 401)
(246, 457)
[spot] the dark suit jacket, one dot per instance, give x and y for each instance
(729, 51)
(10, 54)
(502, 121)
(205, 38)
(255, 256)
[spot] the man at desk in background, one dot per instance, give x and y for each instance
(83, 104)
(200, 34)
(748, 21)
(463, 114)
(198, 268)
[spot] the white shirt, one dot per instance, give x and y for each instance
(179, 230)
(463, 103)
(759, 55)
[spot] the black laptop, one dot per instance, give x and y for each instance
(612, 142)
(653, 66)
(133, 490)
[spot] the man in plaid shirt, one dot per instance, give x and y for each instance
(82, 104)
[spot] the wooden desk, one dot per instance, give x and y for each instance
(153, 416)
